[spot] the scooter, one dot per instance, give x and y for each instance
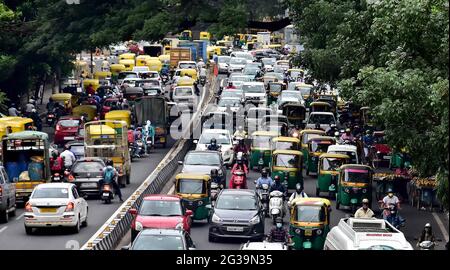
(427, 245)
(276, 205)
(215, 190)
(239, 179)
(263, 193)
(391, 216)
(107, 193)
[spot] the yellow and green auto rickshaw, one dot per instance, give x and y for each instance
(189, 72)
(186, 35)
(116, 69)
(296, 73)
(88, 111)
(142, 60)
(128, 63)
(295, 113)
(274, 90)
(17, 123)
(154, 65)
(316, 147)
(119, 115)
(304, 137)
(320, 106)
(285, 143)
(329, 165)
(354, 185)
(195, 191)
(309, 223)
(102, 75)
(205, 36)
(64, 99)
(127, 56)
(288, 164)
(260, 153)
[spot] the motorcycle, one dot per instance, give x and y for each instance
(164, 78)
(107, 193)
(276, 207)
(203, 80)
(51, 118)
(215, 190)
(56, 178)
(391, 216)
(263, 193)
(427, 245)
(239, 179)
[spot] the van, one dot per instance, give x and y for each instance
(365, 234)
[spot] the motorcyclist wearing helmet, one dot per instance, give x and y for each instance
(299, 193)
(331, 129)
(264, 179)
(426, 235)
(216, 178)
(278, 233)
(113, 181)
(213, 145)
(241, 147)
(347, 136)
(390, 198)
(364, 211)
(277, 185)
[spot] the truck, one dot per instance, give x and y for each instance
(263, 38)
(179, 54)
(195, 48)
(154, 50)
(25, 156)
(202, 49)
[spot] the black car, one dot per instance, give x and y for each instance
(87, 172)
(237, 213)
(162, 239)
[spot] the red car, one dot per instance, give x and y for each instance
(382, 148)
(66, 129)
(160, 211)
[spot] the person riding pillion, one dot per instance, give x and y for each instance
(278, 233)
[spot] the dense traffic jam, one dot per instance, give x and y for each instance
(270, 129)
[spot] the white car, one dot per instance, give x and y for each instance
(150, 75)
(185, 96)
(223, 61)
(248, 56)
(268, 64)
(151, 84)
(290, 96)
(264, 246)
(323, 118)
(233, 93)
(140, 69)
(126, 75)
(254, 92)
(129, 82)
(55, 205)
(236, 64)
(234, 103)
(223, 138)
(187, 65)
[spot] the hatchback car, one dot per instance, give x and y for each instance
(162, 239)
(160, 211)
(203, 162)
(66, 129)
(87, 172)
(55, 205)
(7, 196)
(237, 214)
(184, 96)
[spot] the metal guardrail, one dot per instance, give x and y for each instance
(115, 228)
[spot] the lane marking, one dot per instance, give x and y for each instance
(3, 229)
(21, 216)
(441, 225)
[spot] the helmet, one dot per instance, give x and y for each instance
(213, 141)
(347, 130)
(277, 178)
(214, 172)
(264, 173)
(365, 201)
(428, 225)
(390, 190)
(298, 188)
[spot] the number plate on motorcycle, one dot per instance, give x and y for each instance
(105, 194)
(69, 138)
(386, 157)
(235, 229)
(308, 232)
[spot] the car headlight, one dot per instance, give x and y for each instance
(319, 232)
(298, 231)
(364, 190)
(200, 203)
(216, 219)
(255, 220)
(139, 226)
(347, 190)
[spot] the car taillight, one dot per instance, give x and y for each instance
(106, 188)
(28, 207)
(1, 191)
(69, 208)
(70, 178)
(58, 127)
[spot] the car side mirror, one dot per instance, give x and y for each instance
(180, 162)
(208, 206)
(189, 213)
(126, 247)
(195, 141)
(132, 211)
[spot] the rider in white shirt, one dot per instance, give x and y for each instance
(299, 193)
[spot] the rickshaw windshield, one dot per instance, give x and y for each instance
(284, 146)
(188, 186)
(304, 90)
(295, 74)
(307, 136)
(332, 164)
(287, 161)
(309, 213)
(275, 87)
(321, 119)
(185, 91)
(351, 154)
(356, 176)
(319, 147)
(261, 142)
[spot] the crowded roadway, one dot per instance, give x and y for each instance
(270, 127)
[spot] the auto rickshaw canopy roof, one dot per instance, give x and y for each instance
(287, 152)
(127, 56)
(185, 82)
(193, 176)
(27, 135)
(311, 131)
(320, 103)
(265, 133)
(285, 139)
(62, 97)
(331, 155)
(312, 201)
(356, 166)
(101, 130)
(322, 139)
(118, 114)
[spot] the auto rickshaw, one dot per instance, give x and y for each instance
(102, 75)
(17, 123)
(128, 63)
(316, 147)
(94, 82)
(64, 99)
(328, 173)
(304, 136)
(296, 73)
(260, 153)
(195, 193)
(330, 99)
(116, 69)
(320, 106)
(89, 111)
(154, 65)
(3, 130)
(205, 36)
(285, 143)
(354, 185)
(274, 90)
(309, 223)
(288, 164)
(295, 113)
(120, 115)
(141, 60)
(189, 72)
(186, 35)
(127, 56)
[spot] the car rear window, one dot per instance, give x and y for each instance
(51, 193)
(88, 166)
(69, 123)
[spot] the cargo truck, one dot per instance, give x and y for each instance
(179, 54)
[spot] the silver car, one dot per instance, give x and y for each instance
(7, 197)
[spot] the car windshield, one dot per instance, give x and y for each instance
(309, 213)
(319, 146)
(244, 55)
(251, 71)
(275, 87)
(183, 92)
(287, 161)
(261, 141)
(127, 75)
(221, 138)
(321, 119)
(229, 102)
(238, 61)
(332, 164)
(160, 208)
(238, 78)
(236, 202)
(253, 88)
(187, 66)
(258, 114)
(231, 94)
(87, 166)
(268, 61)
(351, 154)
(223, 59)
(356, 176)
(206, 159)
(158, 242)
(69, 123)
(190, 186)
(284, 146)
(51, 193)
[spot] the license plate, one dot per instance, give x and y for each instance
(48, 210)
(267, 153)
(105, 194)
(88, 185)
(162, 140)
(235, 229)
(69, 138)
(386, 157)
(292, 174)
(56, 178)
(308, 232)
